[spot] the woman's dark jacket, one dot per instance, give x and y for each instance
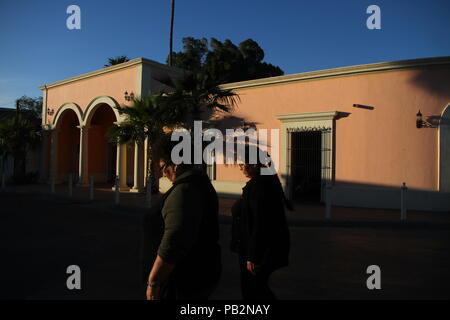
(183, 229)
(259, 232)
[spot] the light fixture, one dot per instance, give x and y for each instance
(419, 121)
(129, 97)
(429, 122)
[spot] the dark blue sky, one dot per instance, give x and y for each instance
(37, 48)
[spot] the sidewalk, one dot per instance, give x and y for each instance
(303, 215)
(42, 234)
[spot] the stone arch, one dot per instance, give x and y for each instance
(96, 103)
(67, 142)
(101, 154)
(444, 150)
(63, 109)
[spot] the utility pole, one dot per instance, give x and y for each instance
(172, 17)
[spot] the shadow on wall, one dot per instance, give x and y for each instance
(365, 195)
(351, 194)
(232, 122)
(433, 80)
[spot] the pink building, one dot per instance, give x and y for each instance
(353, 128)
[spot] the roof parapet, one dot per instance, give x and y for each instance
(116, 67)
(337, 72)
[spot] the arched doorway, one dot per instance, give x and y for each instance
(102, 153)
(68, 146)
(444, 151)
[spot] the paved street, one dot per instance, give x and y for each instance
(41, 235)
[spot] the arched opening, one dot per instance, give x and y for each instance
(444, 151)
(102, 153)
(68, 150)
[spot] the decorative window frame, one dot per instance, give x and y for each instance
(311, 121)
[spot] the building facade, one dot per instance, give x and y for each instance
(352, 128)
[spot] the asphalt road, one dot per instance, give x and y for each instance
(40, 236)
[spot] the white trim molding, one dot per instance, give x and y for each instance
(444, 151)
(67, 106)
(317, 121)
(44, 105)
(94, 104)
(340, 72)
(308, 116)
(117, 67)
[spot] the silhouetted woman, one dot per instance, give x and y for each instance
(260, 234)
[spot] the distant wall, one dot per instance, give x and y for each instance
(378, 147)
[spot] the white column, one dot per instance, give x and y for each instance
(44, 170)
(121, 169)
(138, 167)
(83, 172)
(145, 162)
(54, 156)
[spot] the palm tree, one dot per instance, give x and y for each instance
(17, 136)
(172, 18)
(148, 118)
(154, 116)
(116, 60)
(197, 94)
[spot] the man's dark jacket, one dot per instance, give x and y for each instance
(259, 232)
(183, 229)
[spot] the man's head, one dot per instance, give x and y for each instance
(167, 167)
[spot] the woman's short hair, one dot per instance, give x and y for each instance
(253, 155)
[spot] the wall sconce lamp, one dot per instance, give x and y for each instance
(129, 97)
(420, 123)
(50, 112)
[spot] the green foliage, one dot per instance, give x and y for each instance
(31, 108)
(116, 60)
(224, 62)
(153, 116)
(21, 133)
(195, 97)
(190, 97)
(146, 119)
(193, 56)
